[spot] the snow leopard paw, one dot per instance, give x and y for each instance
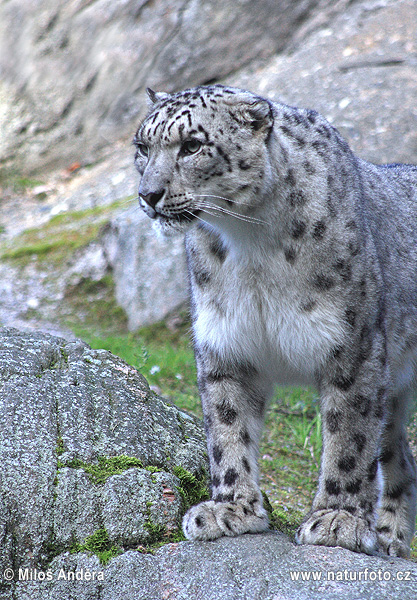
(210, 520)
(330, 527)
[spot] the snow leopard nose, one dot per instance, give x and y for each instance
(152, 198)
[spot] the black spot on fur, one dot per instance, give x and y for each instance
(199, 521)
(297, 198)
(215, 480)
(353, 487)
(348, 508)
(316, 524)
(323, 282)
(366, 505)
(290, 255)
(332, 487)
(290, 178)
(243, 165)
(372, 469)
(344, 269)
(297, 229)
(343, 382)
(347, 464)
(218, 250)
(386, 455)
(230, 476)
(333, 420)
(319, 229)
(354, 248)
(217, 454)
(227, 414)
(245, 437)
(360, 440)
(362, 404)
(321, 148)
(225, 157)
(308, 306)
(383, 529)
(201, 277)
(227, 523)
(350, 315)
(312, 116)
(246, 464)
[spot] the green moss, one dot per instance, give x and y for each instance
(286, 521)
(99, 544)
(192, 489)
(105, 467)
(60, 446)
(156, 533)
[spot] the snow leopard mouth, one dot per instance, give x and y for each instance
(185, 216)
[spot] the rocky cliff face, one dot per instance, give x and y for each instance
(74, 73)
(353, 61)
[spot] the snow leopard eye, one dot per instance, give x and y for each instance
(143, 150)
(191, 147)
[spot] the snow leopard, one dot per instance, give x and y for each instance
(302, 264)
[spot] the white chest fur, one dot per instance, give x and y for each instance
(254, 314)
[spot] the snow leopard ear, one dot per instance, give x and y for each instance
(254, 111)
(155, 97)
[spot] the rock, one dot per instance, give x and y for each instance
(359, 71)
(261, 567)
(81, 69)
(85, 446)
(149, 273)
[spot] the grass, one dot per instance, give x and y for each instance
(58, 239)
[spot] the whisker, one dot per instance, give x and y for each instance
(222, 198)
(246, 218)
(197, 217)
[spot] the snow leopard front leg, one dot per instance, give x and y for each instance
(233, 399)
(353, 389)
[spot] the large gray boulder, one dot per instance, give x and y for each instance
(149, 272)
(86, 447)
(73, 74)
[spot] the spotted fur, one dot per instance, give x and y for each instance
(302, 262)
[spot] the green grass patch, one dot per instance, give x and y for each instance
(91, 308)
(60, 237)
(163, 354)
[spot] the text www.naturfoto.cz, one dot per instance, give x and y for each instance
(346, 575)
